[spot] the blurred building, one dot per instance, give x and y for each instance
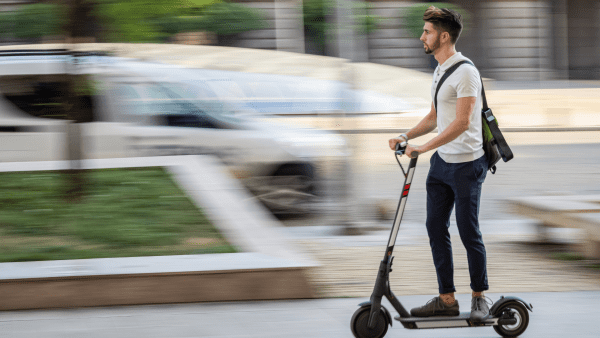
(508, 40)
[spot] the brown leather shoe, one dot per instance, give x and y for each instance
(436, 307)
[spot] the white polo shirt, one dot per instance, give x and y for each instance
(464, 82)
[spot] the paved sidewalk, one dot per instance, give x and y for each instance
(569, 314)
(513, 266)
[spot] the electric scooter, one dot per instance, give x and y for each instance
(508, 316)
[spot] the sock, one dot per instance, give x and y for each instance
(477, 294)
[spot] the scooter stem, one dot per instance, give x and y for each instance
(401, 206)
(382, 283)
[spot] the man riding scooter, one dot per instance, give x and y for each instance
(458, 167)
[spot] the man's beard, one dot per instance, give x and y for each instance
(436, 45)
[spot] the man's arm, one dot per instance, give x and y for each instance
(426, 125)
(464, 109)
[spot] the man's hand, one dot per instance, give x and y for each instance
(395, 141)
(411, 148)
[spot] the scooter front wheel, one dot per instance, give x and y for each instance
(360, 324)
(514, 311)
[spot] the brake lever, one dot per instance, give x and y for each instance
(400, 148)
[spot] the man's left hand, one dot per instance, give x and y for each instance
(411, 148)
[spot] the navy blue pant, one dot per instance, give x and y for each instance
(450, 185)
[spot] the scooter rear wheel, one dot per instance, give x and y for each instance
(360, 324)
(516, 311)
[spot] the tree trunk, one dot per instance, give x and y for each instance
(79, 109)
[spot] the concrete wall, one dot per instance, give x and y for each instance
(392, 44)
(285, 30)
(583, 39)
(518, 40)
(507, 40)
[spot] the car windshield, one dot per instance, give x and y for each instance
(205, 99)
(154, 98)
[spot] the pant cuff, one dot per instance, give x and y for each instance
(442, 291)
(480, 289)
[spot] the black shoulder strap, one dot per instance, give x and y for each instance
(448, 72)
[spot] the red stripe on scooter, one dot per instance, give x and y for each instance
(405, 193)
(406, 187)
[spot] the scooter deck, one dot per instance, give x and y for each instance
(434, 322)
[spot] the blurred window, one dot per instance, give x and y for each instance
(129, 98)
(177, 105)
(298, 90)
(227, 89)
(265, 89)
(158, 101)
(194, 91)
(127, 92)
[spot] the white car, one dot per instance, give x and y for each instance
(148, 109)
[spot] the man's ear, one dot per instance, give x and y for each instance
(445, 36)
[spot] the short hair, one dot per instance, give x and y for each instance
(445, 20)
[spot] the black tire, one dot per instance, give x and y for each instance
(513, 310)
(301, 178)
(360, 320)
(303, 170)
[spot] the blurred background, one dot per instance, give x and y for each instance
(296, 100)
(518, 40)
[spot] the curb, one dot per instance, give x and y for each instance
(269, 268)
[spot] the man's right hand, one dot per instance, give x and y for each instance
(395, 141)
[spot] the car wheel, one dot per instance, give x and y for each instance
(291, 190)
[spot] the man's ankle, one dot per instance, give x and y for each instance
(448, 298)
(477, 294)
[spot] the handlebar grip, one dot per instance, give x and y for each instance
(400, 148)
(401, 145)
(414, 154)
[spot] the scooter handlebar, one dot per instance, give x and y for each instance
(401, 149)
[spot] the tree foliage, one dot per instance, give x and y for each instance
(35, 21)
(317, 24)
(131, 20)
(223, 18)
(154, 20)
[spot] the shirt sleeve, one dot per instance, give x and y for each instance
(469, 83)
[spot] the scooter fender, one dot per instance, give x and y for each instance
(510, 299)
(387, 313)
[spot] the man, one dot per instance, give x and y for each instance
(458, 168)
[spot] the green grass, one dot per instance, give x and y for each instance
(125, 212)
(567, 256)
